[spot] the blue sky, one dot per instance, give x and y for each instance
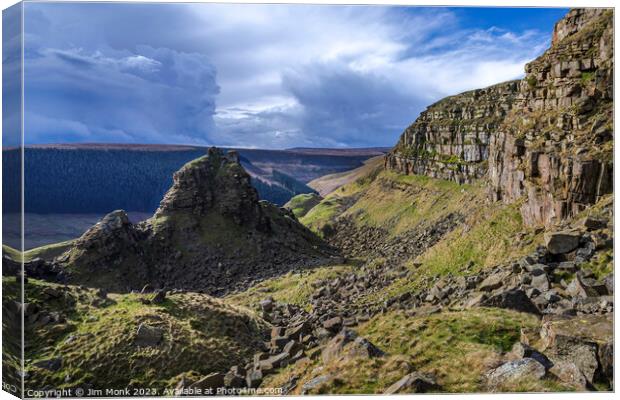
(270, 76)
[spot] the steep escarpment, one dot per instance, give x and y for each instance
(547, 139)
(210, 232)
(556, 146)
(450, 140)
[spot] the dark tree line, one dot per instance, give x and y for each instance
(98, 181)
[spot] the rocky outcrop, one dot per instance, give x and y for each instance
(215, 183)
(547, 138)
(210, 232)
(555, 148)
(450, 140)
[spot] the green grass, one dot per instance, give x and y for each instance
(393, 201)
(201, 335)
(322, 214)
(586, 77)
(49, 251)
(412, 201)
(457, 347)
(302, 203)
(11, 252)
(485, 244)
(602, 264)
(488, 238)
(294, 287)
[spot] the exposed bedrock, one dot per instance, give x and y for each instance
(546, 139)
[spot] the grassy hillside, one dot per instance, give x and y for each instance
(96, 338)
(45, 252)
(456, 347)
(328, 183)
(302, 203)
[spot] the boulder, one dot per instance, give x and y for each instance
(576, 340)
(292, 347)
(515, 299)
(493, 282)
(334, 347)
(362, 347)
(540, 282)
(277, 331)
(609, 283)
(522, 350)
(568, 372)
(160, 296)
(254, 378)
(296, 331)
(606, 358)
(562, 242)
(515, 371)
(414, 382)
(267, 304)
(314, 383)
(333, 324)
(273, 362)
(235, 377)
(475, 300)
(148, 335)
(592, 224)
(278, 342)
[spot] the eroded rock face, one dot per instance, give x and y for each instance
(216, 183)
(555, 147)
(211, 232)
(450, 140)
(547, 138)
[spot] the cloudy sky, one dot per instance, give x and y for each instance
(270, 76)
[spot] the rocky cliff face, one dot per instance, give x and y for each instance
(556, 147)
(450, 140)
(210, 232)
(547, 138)
(216, 183)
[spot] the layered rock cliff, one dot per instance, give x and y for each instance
(210, 232)
(556, 147)
(547, 139)
(450, 140)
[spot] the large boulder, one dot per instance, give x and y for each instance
(333, 349)
(562, 242)
(362, 347)
(577, 340)
(148, 336)
(514, 299)
(568, 372)
(414, 382)
(514, 372)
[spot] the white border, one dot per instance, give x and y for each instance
(474, 3)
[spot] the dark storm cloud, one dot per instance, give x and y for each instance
(84, 84)
(254, 75)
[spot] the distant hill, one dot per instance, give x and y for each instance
(101, 177)
(362, 151)
(328, 183)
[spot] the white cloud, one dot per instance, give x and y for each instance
(268, 75)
